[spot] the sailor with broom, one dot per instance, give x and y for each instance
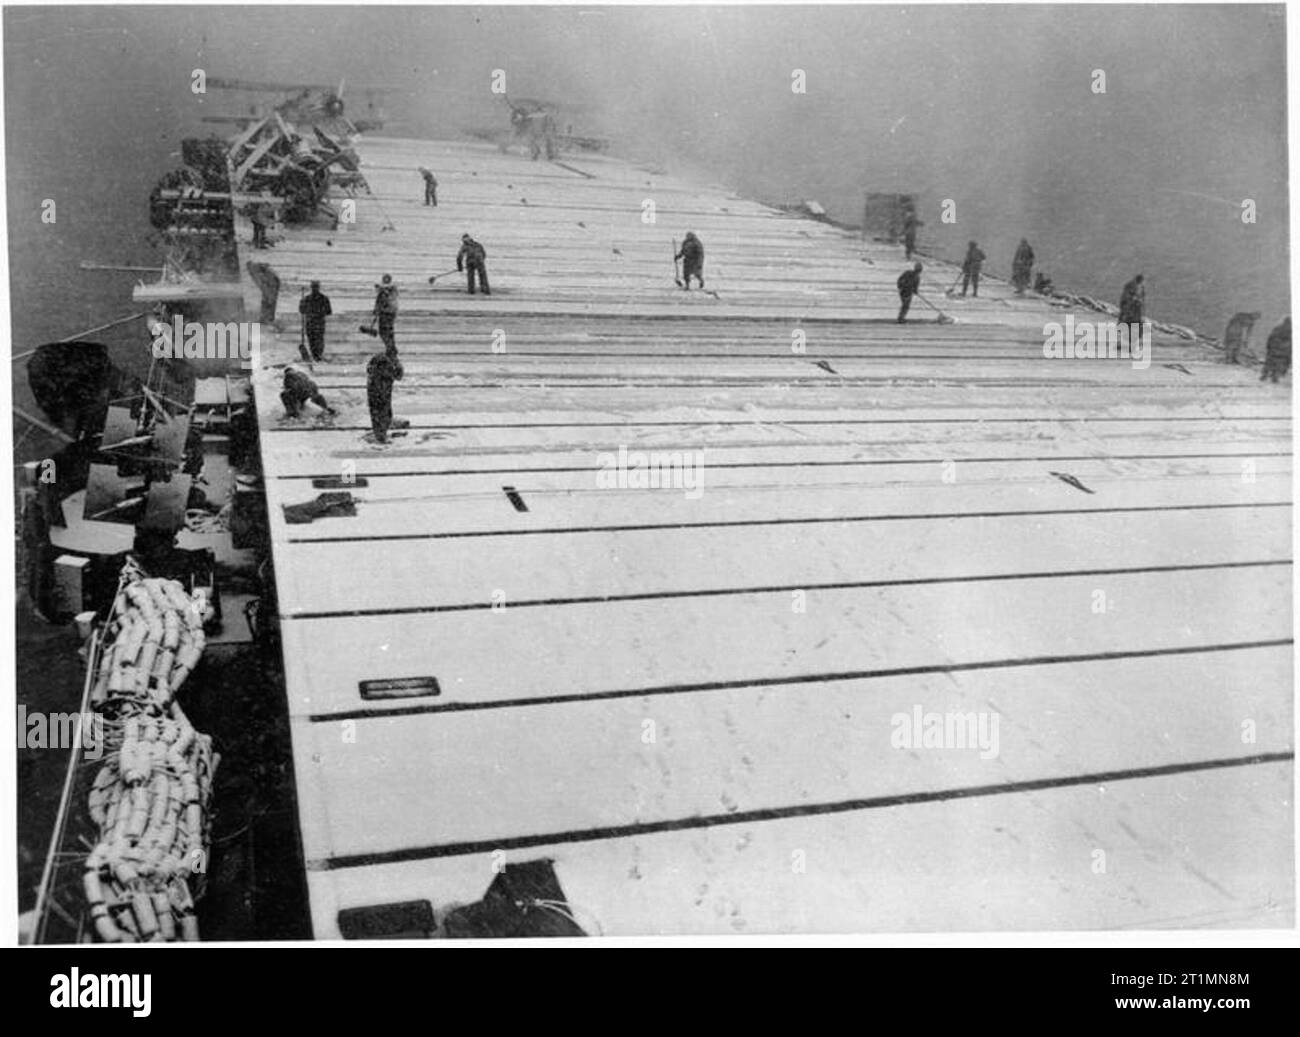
(909, 283)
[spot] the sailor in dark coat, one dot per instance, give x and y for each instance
(298, 390)
(909, 283)
(472, 258)
(381, 372)
(692, 257)
(910, 223)
(970, 269)
(386, 311)
(315, 307)
(1277, 352)
(1022, 267)
(1133, 301)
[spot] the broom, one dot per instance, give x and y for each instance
(943, 318)
(678, 281)
(302, 335)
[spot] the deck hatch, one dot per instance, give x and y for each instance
(338, 482)
(400, 688)
(405, 919)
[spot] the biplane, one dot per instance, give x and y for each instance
(307, 104)
(545, 127)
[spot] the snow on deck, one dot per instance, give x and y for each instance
(686, 698)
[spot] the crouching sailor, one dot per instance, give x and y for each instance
(300, 390)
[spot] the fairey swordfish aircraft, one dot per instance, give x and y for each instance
(307, 104)
(544, 127)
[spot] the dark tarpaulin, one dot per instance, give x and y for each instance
(524, 900)
(326, 505)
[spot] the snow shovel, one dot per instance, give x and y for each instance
(445, 273)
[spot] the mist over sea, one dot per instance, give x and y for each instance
(991, 107)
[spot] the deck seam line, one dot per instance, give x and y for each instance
(751, 422)
(880, 673)
(713, 592)
(422, 473)
(756, 816)
(726, 524)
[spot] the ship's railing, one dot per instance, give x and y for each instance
(60, 902)
(60, 915)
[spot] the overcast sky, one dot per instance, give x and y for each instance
(989, 106)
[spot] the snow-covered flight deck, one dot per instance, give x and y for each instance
(691, 701)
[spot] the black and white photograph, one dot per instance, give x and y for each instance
(648, 473)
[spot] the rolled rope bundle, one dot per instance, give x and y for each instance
(150, 798)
